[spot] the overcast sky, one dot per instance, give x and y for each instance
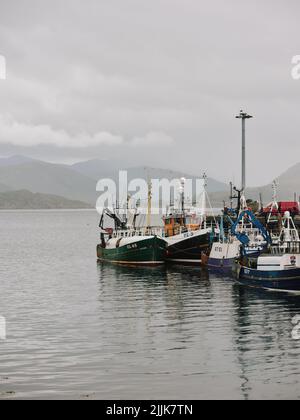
(152, 81)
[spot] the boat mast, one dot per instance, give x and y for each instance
(171, 205)
(115, 212)
(231, 195)
(136, 214)
(149, 205)
(274, 204)
(261, 205)
(289, 235)
(204, 177)
(182, 198)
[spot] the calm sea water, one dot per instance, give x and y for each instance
(77, 329)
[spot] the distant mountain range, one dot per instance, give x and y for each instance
(77, 182)
(97, 169)
(15, 160)
(37, 176)
(287, 186)
(13, 200)
(4, 187)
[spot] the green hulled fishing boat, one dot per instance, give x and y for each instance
(130, 247)
(127, 244)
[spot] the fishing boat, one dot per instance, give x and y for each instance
(186, 241)
(245, 230)
(132, 248)
(186, 233)
(129, 245)
(223, 254)
(277, 269)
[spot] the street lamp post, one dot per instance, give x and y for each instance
(243, 116)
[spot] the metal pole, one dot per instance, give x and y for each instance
(243, 155)
(243, 116)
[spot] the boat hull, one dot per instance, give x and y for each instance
(224, 264)
(151, 251)
(188, 249)
(284, 280)
(223, 255)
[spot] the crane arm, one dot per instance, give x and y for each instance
(242, 237)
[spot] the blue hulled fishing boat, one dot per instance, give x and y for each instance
(246, 234)
(279, 267)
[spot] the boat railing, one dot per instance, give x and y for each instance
(291, 247)
(157, 231)
(129, 233)
(153, 231)
(180, 230)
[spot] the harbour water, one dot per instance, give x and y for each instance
(78, 329)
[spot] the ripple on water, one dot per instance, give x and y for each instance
(77, 329)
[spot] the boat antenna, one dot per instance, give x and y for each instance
(205, 200)
(136, 213)
(274, 205)
(238, 197)
(261, 205)
(204, 177)
(171, 199)
(231, 194)
(181, 190)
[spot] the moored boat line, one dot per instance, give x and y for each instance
(181, 240)
(259, 247)
(255, 255)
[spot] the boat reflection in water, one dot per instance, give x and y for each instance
(214, 337)
(262, 336)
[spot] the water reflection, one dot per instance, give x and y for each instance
(225, 328)
(167, 291)
(262, 335)
(76, 328)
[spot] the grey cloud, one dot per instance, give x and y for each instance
(130, 68)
